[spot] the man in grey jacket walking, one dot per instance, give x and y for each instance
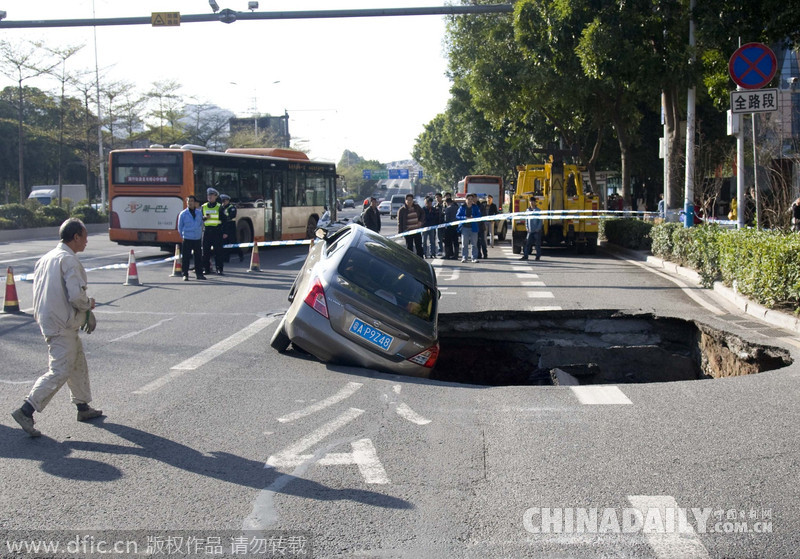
(61, 307)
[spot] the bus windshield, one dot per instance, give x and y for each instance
(142, 168)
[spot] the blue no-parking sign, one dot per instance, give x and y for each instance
(753, 66)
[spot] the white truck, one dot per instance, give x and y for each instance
(45, 194)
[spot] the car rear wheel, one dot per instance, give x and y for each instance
(280, 340)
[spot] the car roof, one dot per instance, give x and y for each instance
(392, 252)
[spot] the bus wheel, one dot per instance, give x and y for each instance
(280, 341)
(244, 232)
(311, 226)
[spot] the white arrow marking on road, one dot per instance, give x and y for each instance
(290, 456)
(207, 355)
(345, 392)
(404, 411)
(600, 395)
(679, 540)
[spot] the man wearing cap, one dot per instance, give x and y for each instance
(228, 213)
(212, 232)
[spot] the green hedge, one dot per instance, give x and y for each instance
(629, 232)
(763, 265)
(33, 214)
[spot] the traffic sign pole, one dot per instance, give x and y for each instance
(752, 66)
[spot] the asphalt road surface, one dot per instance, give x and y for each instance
(211, 439)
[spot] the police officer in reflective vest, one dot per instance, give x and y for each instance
(228, 214)
(212, 232)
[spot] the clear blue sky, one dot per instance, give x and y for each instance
(366, 84)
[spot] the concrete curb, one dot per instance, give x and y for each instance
(44, 232)
(770, 316)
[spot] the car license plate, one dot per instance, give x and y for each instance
(371, 334)
(145, 236)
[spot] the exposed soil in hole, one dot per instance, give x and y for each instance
(501, 348)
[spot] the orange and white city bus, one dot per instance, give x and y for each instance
(279, 194)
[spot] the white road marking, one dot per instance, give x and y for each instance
(455, 272)
(407, 413)
(525, 275)
(132, 334)
(548, 308)
(666, 529)
(520, 268)
(345, 392)
(540, 295)
(366, 458)
(300, 258)
(397, 388)
(290, 456)
(600, 394)
(263, 514)
(532, 284)
(207, 355)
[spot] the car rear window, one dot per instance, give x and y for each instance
(388, 283)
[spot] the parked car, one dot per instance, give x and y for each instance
(349, 203)
(385, 207)
(361, 299)
(397, 202)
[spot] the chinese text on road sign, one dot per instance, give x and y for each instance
(754, 101)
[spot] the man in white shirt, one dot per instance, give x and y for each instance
(61, 307)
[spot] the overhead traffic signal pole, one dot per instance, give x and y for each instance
(230, 16)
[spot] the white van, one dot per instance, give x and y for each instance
(397, 202)
(46, 194)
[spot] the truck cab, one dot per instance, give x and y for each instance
(559, 189)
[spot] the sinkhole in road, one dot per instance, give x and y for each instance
(501, 348)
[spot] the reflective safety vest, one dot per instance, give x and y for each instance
(212, 215)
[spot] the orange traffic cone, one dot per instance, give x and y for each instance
(11, 303)
(255, 263)
(133, 275)
(177, 267)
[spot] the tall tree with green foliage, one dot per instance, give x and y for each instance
(22, 63)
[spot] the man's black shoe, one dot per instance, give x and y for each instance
(524, 258)
(201, 277)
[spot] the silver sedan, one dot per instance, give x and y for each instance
(362, 299)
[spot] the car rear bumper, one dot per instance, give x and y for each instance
(313, 333)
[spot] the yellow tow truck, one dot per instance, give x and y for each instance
(557, 186)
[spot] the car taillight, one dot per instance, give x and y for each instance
(428, 357)
(316, 299)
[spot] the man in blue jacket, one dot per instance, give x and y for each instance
(469, 231)
(190, 227)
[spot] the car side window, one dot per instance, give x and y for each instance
(339, 242)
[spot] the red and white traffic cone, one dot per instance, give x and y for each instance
(177, 267)
(133, 275)
(11, 303)
(255, 263)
